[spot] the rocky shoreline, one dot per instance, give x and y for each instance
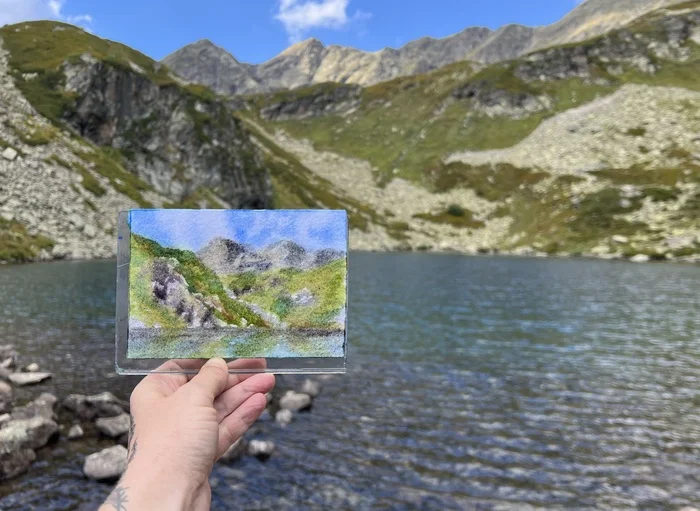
(43, 421)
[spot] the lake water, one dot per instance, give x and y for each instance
(473, 383)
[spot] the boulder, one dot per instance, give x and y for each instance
(75, 432)
(261, 449)
(295, 401)
(8, 355)
(237, 450)
(284, 417)
(107, 464)
(21, 379)
(15, 463)
(9, 154)
(5, 397)
(32, 368)
(26, 434)
(40, 407)
(114, 427)
(640, 258)
(311, 387)
(99, 405)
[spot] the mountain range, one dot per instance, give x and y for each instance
(310, 61)
(585, 141)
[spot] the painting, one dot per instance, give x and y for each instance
(237, 284)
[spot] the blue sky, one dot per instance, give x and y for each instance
(256, 30)
(193, 229)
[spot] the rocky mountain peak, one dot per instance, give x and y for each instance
(311, 45)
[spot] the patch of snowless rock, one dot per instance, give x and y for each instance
(226, 256)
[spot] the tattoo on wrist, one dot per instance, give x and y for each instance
(117, 499)
(131, 442)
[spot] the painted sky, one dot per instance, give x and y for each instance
(193, 229)
(256, 30)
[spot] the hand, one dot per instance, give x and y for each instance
(180, 426)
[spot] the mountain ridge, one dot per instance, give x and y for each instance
(341, 64)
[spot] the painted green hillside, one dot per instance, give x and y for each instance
(203, 287)
(301, 299)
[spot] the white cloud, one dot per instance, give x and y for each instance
(300, 16)
(14, 11)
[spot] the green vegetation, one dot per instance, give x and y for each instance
(455, 215)
(89, 182)
(108, 163)
(199, 278)
(295, 186)
(17, 245)
(34, 135)
(274, 291)
(202, 197)
(492, 182)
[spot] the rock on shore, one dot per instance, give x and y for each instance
(109, 463)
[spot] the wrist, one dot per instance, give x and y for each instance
(157, 488)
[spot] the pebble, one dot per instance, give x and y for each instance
(311, 387)
(32, 368)
(295, 401)
(22, 379)
(114, 427)
(9, 154)
(261, 449)
(284, 417)
(75, 432)
(109, 463)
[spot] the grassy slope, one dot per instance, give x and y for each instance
(37, 52)
(200, 279)
(272, 291)
(17, 245)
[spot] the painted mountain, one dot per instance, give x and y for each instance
(237, 284)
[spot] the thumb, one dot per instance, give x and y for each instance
(210, 381)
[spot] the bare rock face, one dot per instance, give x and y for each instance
(98, 405)
(310, 62)
(107, 464)
(197, 141)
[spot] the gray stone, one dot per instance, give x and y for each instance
(21, 379)
(90, 231)
(40, 407)
(295, 401)
(640, 258)
(75, 432)
(15, 463)
(9, 154)
(5, 417)
(234, 452)
(261, 449)
(5, 397)
(107, 464)
(284, 417)
(311, 387)
(26, 433)
(32, 368)
(8, 355)
(114, 427)
(98, 405)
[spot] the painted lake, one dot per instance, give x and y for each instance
(473, 383)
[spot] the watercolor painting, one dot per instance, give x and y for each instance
(237, 284)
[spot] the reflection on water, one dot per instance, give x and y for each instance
(473, 383)
(233, 342)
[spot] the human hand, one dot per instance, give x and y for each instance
(180, 425)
